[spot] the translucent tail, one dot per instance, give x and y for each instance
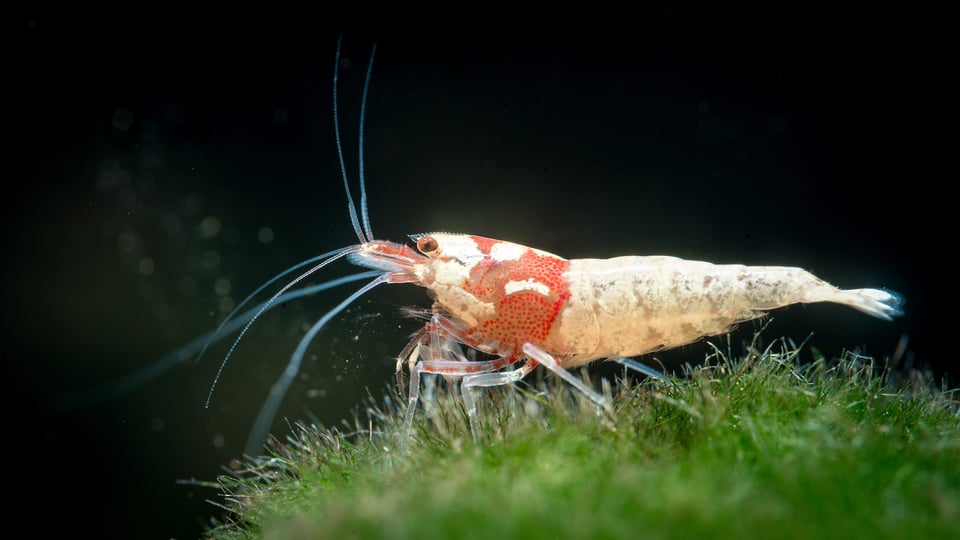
(880, 303)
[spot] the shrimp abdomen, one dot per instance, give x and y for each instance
(628, 306)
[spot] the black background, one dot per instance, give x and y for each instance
(797, 138)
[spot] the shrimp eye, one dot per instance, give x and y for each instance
(428, 245)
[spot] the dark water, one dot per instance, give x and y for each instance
(170, 167)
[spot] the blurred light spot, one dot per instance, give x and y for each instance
(187, 285)
(316, 393)
(703, 107)
(218, 441)
(122, 120)
(145, 266)
(190, 205)
(170, 223)
(221, 286)
(111, 175)
(280, 116)
(127, 241)
(226, 304)
(265, 235)
(209, 227)
(156, 423)
(210, 259)
(107, 177)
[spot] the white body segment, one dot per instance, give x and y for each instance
(628, 306)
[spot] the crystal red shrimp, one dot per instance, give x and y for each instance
(521, 305)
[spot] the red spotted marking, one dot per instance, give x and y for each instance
(526, 315)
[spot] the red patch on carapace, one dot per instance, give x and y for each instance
(525, 315)
(484, 244)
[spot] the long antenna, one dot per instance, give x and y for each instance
(258, 434)
(343, 167)
(363, 113)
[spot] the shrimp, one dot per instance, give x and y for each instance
(523, 304)
(524, 307)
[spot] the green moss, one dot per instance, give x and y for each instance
(757, 447)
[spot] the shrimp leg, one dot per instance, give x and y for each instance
(488, 379)
(544, 358)
(455, 368)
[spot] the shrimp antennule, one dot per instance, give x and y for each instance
(215, 335)
(391, 260)
(266, 305)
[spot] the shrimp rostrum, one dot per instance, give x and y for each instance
(523, 307)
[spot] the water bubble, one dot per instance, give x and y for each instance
(127, 241)
(122, 120)
(146, 266)
(210, 227)
(221, 286)
(265, 235)
(226, 304)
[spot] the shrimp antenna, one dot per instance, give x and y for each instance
(128, 383)
(351, 206)
(267, 305)
(363, 113)
(214, 336)
(258, 434)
